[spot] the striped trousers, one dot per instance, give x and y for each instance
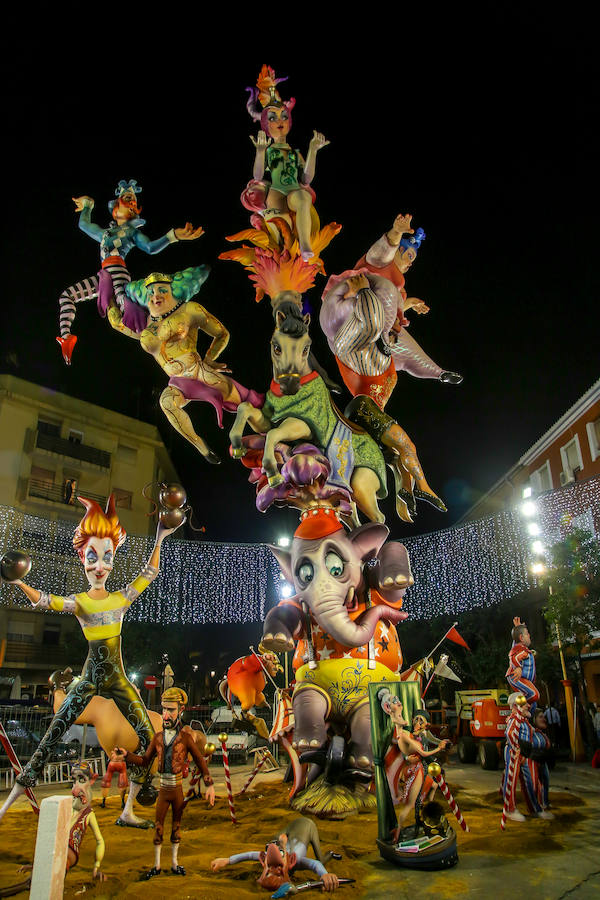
(88, 290)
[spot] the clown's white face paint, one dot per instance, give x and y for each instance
(98, 559)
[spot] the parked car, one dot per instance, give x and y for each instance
(242, 739)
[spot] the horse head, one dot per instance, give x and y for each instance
(290, 347)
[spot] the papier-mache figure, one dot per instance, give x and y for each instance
(367, 331)
(520, 740)
(100, 614)
(171, 746)
(83, 817)
(171, 325)
(116, 240)
(521, 669)
(280, 185)
(403, 762)
(246, 680)
(538, 753)
(285, 854)
(118, 767)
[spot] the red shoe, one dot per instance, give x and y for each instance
(67, 345)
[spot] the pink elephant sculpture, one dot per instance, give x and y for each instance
(349, 592)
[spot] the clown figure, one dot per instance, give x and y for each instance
(100, 614)
(521, 670)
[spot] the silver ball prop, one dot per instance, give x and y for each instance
(15, 564)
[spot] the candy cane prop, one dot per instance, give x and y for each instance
(18, 768)
(223, 742)
(435, 771)
(254, 773)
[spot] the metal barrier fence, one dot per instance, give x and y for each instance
(25, 726)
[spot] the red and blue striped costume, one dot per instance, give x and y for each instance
(522, 657)
(517, 766)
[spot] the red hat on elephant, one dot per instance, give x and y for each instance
(318, 523)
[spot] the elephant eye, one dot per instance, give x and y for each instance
(306, 573)
(334, 563)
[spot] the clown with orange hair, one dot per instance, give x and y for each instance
(100, 614)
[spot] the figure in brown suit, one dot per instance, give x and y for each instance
(171, 746)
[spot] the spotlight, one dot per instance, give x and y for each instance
(537, 548)
(529, 509)
(527, 492)
(283, 541)
(534, 529)
(286, 590)
(538, 568)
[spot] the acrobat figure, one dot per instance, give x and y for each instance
(367, 332)
(115, 243)
(520, 739)
(116, 766)
(171, 746)
(286, 853)
(403, 762)
(246, 680)
(286, 192)
(171, 325)
(100, 614)
(521, 669)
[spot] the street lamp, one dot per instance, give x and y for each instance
(538, 567)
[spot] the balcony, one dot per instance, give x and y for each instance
(44, 490)
(72, 449)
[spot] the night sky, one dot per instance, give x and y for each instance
(487, 141)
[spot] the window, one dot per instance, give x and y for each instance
(541, 479)
(593, 432)
(50, 428)
(42, 477)
(51, 635)
(122, 498)
(20, 631)
(75, 437)
(570, 455)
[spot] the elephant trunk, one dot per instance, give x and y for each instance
(337, 623)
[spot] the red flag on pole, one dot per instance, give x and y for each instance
(453, 635)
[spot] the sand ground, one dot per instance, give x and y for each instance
(548, 860)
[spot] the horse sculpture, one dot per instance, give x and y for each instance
(299, 407)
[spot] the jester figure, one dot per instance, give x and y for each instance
(521, 669)
(116, 240)
(519, 740)
(100, 614)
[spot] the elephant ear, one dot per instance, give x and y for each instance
(369, 539)
(284, 558)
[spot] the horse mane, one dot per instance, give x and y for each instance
(293, 323)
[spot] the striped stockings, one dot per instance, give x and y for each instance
(88, 290)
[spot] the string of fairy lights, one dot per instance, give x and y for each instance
(199, 582)
(456, 569)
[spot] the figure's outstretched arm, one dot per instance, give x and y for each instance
(44, 600)
(150, 570)
(84, 206)
(260, 144)
(187, 233)
(93, 823)
(317, 142)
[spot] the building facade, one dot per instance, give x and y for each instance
(569, 451)
(52, 448)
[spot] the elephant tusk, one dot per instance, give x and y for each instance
(351, 602)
